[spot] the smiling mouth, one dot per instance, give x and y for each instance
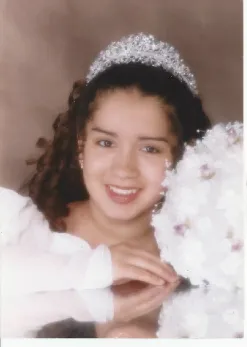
(122, 195)
(123, 191)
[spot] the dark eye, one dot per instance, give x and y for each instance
(150, 149)
(104, 143)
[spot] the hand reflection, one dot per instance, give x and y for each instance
(135, 300)
(127, 308)
(136, 310)
(141, 330)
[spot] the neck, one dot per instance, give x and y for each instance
(114, 231)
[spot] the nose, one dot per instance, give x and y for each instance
(125, 164)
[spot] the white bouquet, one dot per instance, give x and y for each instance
(200, 233)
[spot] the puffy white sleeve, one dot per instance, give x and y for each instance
(25, 315)
(35, 259)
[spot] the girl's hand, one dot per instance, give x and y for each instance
(130, 263)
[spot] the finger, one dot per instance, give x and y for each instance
(153, 267)
(133, 251)
(148, 300)
(170, 287)
(159, 261)
(139, 274)
(155, 302)
(143, 302)
(155, 259)
(156, 296)
(144, 294)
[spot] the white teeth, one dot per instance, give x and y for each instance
(123, 191)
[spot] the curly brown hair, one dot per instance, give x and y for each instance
(58, 179)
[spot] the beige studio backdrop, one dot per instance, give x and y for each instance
(48, 44)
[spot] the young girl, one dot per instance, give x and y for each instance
(99, 179)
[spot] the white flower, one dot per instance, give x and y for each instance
(200, 232)
(231, 264)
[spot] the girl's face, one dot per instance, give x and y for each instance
(127, 143)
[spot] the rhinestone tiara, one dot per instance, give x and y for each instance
(147, 50)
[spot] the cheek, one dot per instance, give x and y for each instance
(95, 162)
(93, 166)
(154, 173)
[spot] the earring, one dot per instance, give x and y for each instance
(159, 204)
(81, 160)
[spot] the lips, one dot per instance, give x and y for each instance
(122, 195)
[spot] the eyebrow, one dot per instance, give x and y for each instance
(142, 138)
(99, 130)
(148, 138)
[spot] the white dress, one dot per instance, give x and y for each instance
(36, 262)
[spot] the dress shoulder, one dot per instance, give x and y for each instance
(19, 216)
(22, 224)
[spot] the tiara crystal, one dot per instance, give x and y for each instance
(147, 50)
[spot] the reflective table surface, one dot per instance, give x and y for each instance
(129, 310)
(134, 314)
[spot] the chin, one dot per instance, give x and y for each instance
(123, 211)
(126, 213)
(121, 215)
